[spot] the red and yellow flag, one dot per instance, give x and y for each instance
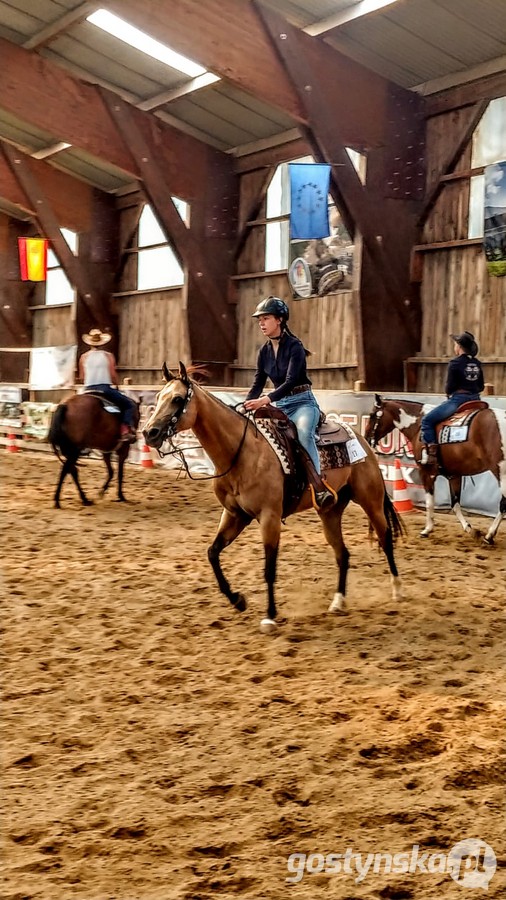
(33, 258)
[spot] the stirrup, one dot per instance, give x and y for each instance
(323, 500)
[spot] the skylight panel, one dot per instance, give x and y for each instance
(135, 38)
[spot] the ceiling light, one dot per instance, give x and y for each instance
(124, 32)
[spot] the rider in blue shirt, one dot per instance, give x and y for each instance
(464, 381)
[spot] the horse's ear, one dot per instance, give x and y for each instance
(378, 400)
(182, 371)
(166, 374)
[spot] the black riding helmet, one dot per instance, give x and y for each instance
(272, 306)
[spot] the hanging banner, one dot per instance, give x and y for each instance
(309, 197)
(33, 258)
(494, 231)
(52, 367)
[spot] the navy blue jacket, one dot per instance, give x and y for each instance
(286, 370)
(464, 375)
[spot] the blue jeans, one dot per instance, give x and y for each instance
(436, 415)
(125, 404)
(304, 412)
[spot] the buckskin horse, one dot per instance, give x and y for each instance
(249, 483)
(83, 422)
(483, 451)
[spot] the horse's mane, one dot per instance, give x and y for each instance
(403, 403)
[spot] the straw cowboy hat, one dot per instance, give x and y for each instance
(96, 338)
(466, 341)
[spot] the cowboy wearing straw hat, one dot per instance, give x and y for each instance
(464, 381)
(97, 370)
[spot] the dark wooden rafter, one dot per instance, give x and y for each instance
(462, 139)
(70, 198)
(201, 30)
(327, 139)
(48, 223)
(253, 209)
(488, 88)
(159, 195)
(51, 32)
(77, 114)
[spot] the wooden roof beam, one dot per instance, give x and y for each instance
(62, 23)
(47, 221)
(70, 198)
(76, 113)
(357, 208)
(188, 248)
(202, 30)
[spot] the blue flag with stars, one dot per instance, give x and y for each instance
(309, 211)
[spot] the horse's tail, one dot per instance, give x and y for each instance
(57, 437)
(395, 523)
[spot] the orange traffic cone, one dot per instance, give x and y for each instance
(146, 458)
(12, 446)
(402, 500)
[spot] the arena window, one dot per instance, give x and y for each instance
(157, 264)
(489, 146)
(58, 287)
(280, 251)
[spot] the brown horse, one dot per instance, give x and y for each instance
(249, 484)
(81, 423)
(484, 450)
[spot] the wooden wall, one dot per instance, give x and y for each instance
(457, 292)
(53, 326)
(326, 325)
(152, 328)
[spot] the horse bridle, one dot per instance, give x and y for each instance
(377, 414)
(179, 451)
(174, 419)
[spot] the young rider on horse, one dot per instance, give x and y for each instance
(97, 370)
(283, 359)
(464, 381)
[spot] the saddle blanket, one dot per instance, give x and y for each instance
(453, 434)
(455, 430)
(108, 405)
(337, 444)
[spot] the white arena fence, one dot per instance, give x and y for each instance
(29, 422)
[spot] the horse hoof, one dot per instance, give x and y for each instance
(239, 602)
(87, 502)
(489, 542)
(424, 533)
(338, 607)
(268, 626)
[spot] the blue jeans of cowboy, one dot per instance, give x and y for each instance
(304, 412)
(443, 411)
(125, 404)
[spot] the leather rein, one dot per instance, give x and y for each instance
(179, 451)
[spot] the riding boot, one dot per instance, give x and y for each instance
(429, 456)
(127, 435)
(323, 495)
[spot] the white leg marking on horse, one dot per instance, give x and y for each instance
(268, 626)
(396, 587)
(338, 605)
(461, 518)
(493, 528)
(429, 517)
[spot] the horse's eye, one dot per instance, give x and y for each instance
(178, 400)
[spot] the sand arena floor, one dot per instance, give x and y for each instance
(157, 746)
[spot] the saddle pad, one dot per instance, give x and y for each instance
(453, 434)
(267, 427)
(455, 430)
(108, 405)
(332, 435)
